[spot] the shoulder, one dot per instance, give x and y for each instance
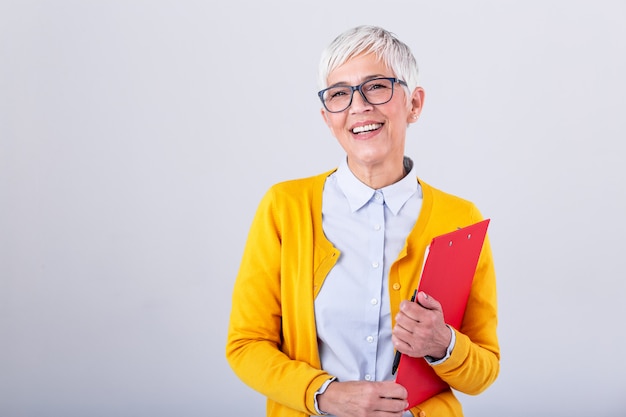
(300, 187)
(295, 195)
(445, 204)
(438, 194)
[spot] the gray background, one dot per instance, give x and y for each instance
(137, 137)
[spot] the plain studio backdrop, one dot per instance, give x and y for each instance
(137, 138)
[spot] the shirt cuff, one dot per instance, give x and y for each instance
(320, 392)
(433, 361)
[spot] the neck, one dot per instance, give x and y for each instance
(379, 176)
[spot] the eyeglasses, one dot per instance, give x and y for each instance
(375, 91)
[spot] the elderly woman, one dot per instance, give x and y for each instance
(320, 302)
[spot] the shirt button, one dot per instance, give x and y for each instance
(374, 301)
(370, 339)
(375, 264)
(368, 377)
(396, 286)
(422, 413)
(377, 227)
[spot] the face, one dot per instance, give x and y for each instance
(373, 136)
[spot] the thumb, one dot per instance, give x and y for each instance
(427, 301)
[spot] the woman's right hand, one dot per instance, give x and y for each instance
(363, 398)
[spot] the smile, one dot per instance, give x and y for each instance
(367, 128)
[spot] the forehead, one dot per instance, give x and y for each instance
(358, 69)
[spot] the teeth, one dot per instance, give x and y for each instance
(366, 128)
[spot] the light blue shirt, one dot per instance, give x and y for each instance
(352, 311)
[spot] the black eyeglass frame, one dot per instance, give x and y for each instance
(358, 88)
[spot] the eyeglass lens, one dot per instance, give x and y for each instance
(376, 91)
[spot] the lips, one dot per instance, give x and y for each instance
(366, 128)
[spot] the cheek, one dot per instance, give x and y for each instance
(335, 124)
(325, 117)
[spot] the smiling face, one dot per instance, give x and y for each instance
(373, 136)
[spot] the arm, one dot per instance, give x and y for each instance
(473, 363)
(255, 345)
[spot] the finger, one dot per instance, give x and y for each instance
(391, 405)
(394, 390)
(412, 310)
(401, 340)
(428, 302)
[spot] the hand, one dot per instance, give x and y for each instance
(363, 398)
(420, 328)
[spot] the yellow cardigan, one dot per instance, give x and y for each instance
(272, 341)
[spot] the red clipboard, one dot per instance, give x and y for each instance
(447, 276)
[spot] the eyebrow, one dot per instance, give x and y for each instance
(365, 79)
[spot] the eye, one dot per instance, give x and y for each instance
(337, 93)
(377, 85)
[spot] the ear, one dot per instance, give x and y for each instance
(417, 103)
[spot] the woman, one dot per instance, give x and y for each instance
(320, 301)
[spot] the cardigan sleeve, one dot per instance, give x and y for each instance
(254, 341)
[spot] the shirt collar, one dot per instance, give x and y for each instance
(395, 195)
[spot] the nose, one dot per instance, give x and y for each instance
(359, 103)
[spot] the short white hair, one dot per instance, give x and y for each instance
(395, 54)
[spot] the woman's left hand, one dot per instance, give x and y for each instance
(420, 328)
